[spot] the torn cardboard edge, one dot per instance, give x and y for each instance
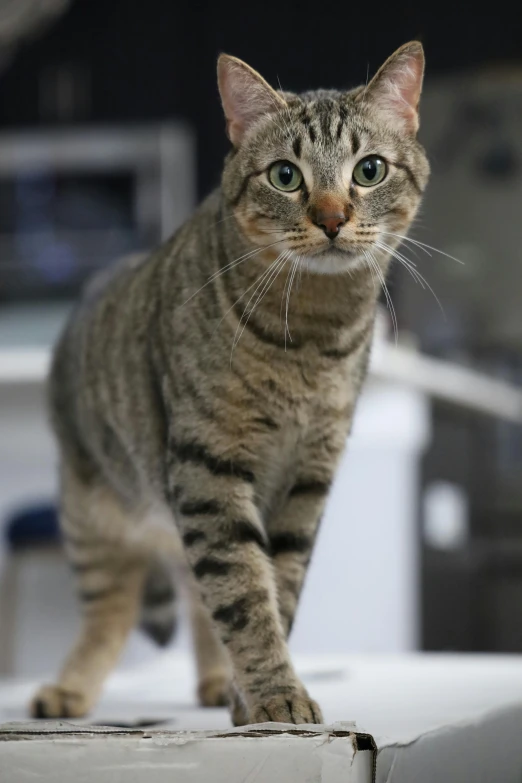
(338, 753)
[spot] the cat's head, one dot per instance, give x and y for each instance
(328, 176)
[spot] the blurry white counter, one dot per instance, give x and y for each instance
(361, 591)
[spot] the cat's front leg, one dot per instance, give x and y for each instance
(227, 550)
(292, 534)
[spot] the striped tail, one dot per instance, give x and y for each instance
(159, 613)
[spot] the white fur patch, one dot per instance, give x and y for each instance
(332, 263)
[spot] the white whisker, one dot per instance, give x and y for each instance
(289, 133)
(294, 270)
(387, 294)
(265, 283)
(423, 246)
(412, 269)
(228, 267)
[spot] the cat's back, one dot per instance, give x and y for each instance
(85, 364)
(102, 384)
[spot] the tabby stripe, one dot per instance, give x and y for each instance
(266, 337)
(404, 167)
(245, 532)
(305, 195)
(325, 123)
(210, 305)
(289, 542)
(176, 493)
(209, 566)
(290, 586)
(297, 146)
(234, 615)
(311, 487)
(264, 215)
(356, 142)
(311, 133)
(200, 507)
(337, 354)
(203, 406)
(164, 595)
(353, 346)
(343, 114)
(244, 185)
(266, 421)
(156, 386)
(199, 455)
(97, 594)
(191, 537)
(82, 568)
(258, 664)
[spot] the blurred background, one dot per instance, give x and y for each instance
(111, 130)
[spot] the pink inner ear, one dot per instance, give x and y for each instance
(398, 88)
(409, 80)
(245, 96)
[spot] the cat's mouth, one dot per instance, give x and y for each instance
(334, 249)
(332, 260)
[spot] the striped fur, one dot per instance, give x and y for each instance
(202, 396)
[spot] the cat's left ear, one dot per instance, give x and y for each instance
(245, 96)
(397, 85)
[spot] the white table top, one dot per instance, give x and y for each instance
(400, 696)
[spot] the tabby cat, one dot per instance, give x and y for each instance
(202, 396)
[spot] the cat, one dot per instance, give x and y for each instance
(202, 396)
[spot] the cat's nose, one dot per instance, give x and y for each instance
(330, 223)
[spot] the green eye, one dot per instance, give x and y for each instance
(370, 171)
(285, 176)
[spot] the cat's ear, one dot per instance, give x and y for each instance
(397, 85)
(245, 96)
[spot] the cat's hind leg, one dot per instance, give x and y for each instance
(110, 575)
(213, 663)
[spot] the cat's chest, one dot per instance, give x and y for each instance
(298, 410)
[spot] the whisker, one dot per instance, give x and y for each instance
(294, 270)
(283, 293)
(387, 295)
(265, 284)
(424, 246)
(236, 212)
(414, 272)
(228, 267)
(287, 109)
(257, 280)
(370, 267)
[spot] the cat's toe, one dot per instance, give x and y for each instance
(53, 701)
(286, 708)
(213, 691)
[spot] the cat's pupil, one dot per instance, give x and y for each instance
(285, 175)
(370, 169)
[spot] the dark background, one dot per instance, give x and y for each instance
(156, 59)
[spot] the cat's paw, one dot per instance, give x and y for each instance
(53, 701)
(286, 708)
(214, 690)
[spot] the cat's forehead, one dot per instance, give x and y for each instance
(323, 128)
(333, 123)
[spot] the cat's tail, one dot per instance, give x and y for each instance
(159, 610)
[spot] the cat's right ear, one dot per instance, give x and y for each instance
(245, 96)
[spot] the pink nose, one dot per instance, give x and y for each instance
(330, 223)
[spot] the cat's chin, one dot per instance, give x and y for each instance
(334, 262)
